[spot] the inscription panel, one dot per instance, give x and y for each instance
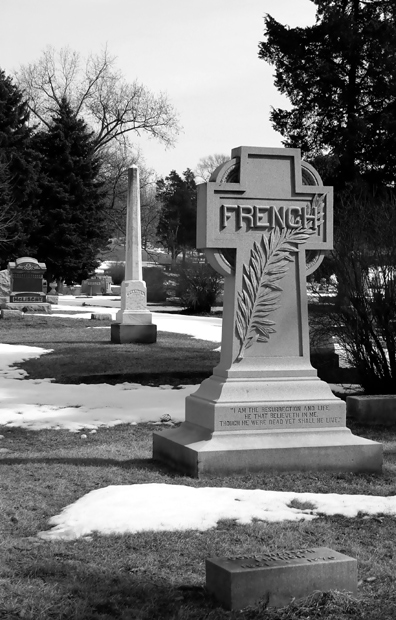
(276, 558)
(280, 416)
(136, 299)
(279, 576)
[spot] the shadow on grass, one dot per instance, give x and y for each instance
(151, 378)
(147, 464)
(104, 593)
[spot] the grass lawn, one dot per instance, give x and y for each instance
(153, 575)
(83, 353)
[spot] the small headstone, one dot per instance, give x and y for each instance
(101, 317)
(279, 576)
(12, 314)
(376, 409)
(97, 285)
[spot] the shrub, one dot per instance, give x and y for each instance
(117, 272)
(155, 282)
(364, 259)
(198, 288)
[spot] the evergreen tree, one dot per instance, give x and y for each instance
(72, 209)
(178, 217)
(340, 77)
(18, 171)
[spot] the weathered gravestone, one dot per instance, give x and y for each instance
(26, 275)
(5, 287)
(97, 285)
(134, 321)
(264, 408)
(279, 576)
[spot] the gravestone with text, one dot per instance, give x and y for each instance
(265, 221)
(134, 320)
(97, 285)
(26, 285)
(279, 576)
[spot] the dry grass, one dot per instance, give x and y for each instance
(161, 575)
(154, 575)
(82, 353)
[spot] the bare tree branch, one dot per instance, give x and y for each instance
(98, 93)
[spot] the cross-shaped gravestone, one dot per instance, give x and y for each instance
(256, 222)
(264, 406)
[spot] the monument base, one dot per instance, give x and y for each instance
(125, 333)
(29, 307)
(198, 452)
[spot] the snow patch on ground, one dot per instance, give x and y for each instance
(161, 507)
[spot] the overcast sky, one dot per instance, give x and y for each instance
(202, 53)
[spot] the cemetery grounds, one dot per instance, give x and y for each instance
(157, 574)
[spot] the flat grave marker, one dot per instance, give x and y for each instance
(279, 576)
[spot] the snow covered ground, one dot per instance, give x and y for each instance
(38, 404)
(143, 507)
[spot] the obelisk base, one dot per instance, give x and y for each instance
(198, 452)
(126, 333)
(133, 322)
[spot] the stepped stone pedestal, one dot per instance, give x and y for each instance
(264, 408)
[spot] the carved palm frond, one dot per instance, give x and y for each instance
(260, 294)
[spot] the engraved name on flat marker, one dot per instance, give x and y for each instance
(279, 576)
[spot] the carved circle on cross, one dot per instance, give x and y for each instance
(223, 261)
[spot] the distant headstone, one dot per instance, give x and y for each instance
(5, 287)
(101, 316)
(264, 407)
(26, 275)
(279, 577)
(133, 321)
(11, 314)
(377, 409)
(97, 285)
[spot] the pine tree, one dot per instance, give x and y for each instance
(18, 171)
(340, 77)
(177, 221)
(72, 209)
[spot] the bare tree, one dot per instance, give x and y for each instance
(114, 172)
(97, 91)
(207, 165)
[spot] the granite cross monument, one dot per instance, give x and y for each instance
(264, 408)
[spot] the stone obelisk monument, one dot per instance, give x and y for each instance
(133, 321)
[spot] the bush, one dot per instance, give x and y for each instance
(117, 272)
(364, 259)
(198, 288)
(155, 282)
